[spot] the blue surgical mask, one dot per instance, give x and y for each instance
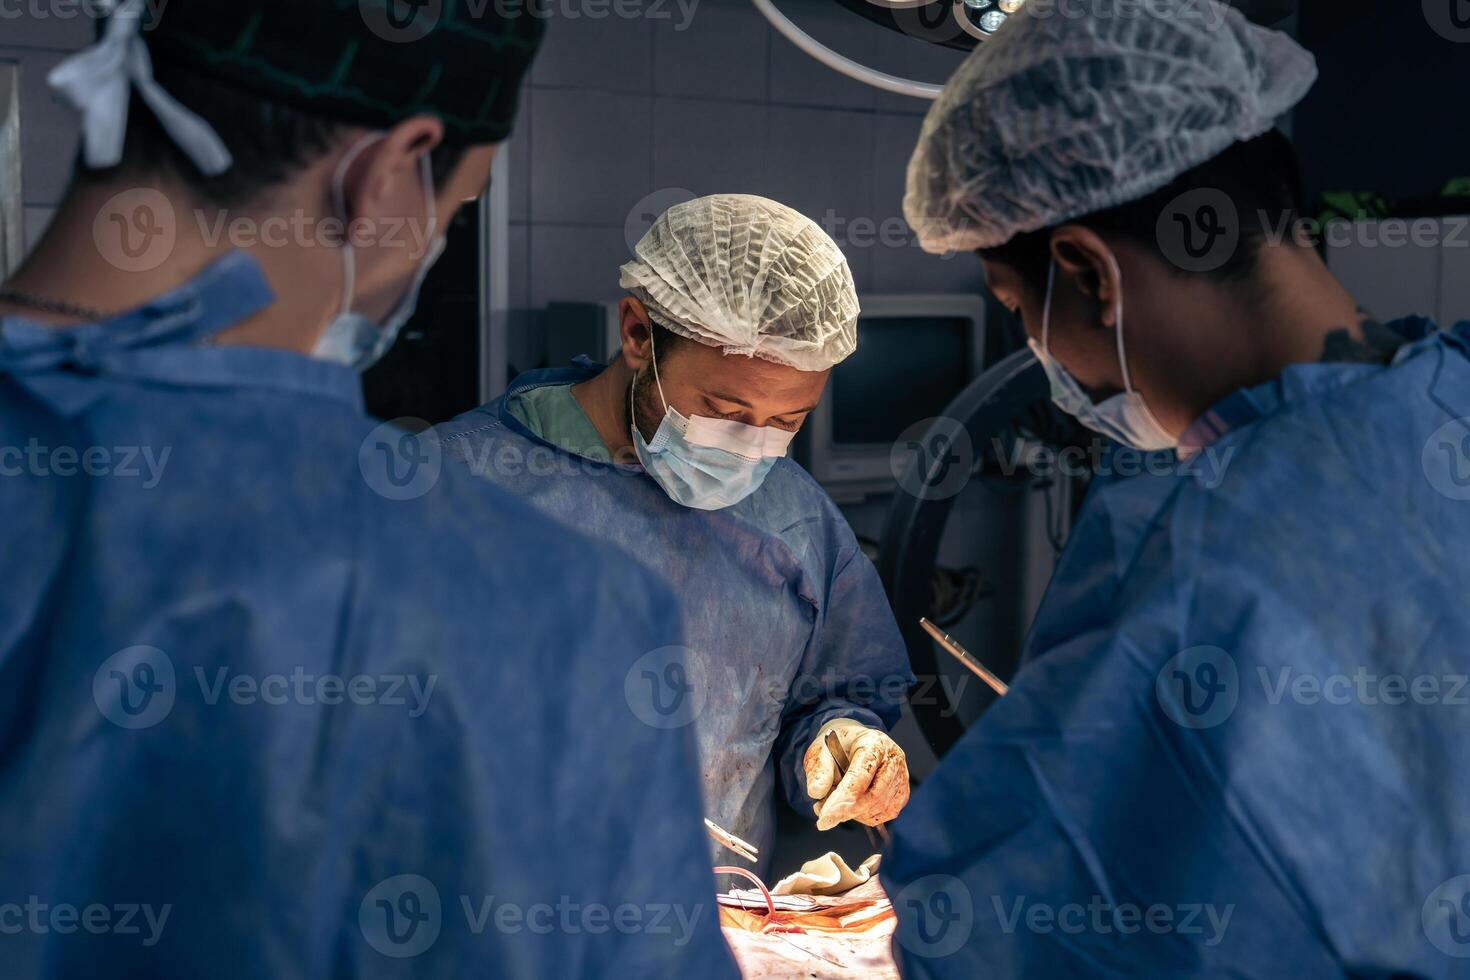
(353, 339)
(704, 463)
(1124, 417)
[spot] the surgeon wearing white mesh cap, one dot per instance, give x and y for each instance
(1183, 781)
(737, 308)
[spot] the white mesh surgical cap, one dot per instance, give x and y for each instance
(1076, 108)
(749, 276)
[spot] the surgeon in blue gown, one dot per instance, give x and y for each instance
(282, 695)
(1235, 745)
(738, 308)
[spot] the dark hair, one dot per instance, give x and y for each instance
(665, 341)
(1261, 177)
(270, 142)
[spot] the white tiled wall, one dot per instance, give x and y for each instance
(36, 42)
(717, 102)
(1412, 268)
(1454, 279)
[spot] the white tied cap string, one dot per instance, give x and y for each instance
(99, 82)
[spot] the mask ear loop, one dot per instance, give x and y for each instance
(339, 201)
(653, 356)
(431, 203)
(1051, 278)
(1118, 315)
(1123, 355)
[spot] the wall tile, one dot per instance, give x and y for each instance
(894, 137)
(519, 148)
(722, 51)
(589, 46)
(911, 57)
(899, 264)
(1454, 304)
(686, 133)
(799, 79)
(576, 264)
(1388, 282)
(591, 155)
(48, 129)
(820, 161)
(63, 26)
(518, 248)
(909, 269)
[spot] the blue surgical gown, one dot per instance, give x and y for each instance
(784, 615)
(286, 702)
(1237, 745)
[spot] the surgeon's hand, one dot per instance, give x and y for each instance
(876, 786)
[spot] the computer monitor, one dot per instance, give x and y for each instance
(914, 355)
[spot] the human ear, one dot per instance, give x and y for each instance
(387, 174)
(636, 329)
(1084, 258)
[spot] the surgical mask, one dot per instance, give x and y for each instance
(353, 339)
(1124, 417)
(704, 463)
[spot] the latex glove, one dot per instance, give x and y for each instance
(876, 786)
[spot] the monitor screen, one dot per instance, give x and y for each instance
(906, 368)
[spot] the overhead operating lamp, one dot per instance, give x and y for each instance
(962, 24)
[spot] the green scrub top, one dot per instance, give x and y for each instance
(552, 413)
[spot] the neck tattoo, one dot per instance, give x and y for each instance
(1376, 343)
